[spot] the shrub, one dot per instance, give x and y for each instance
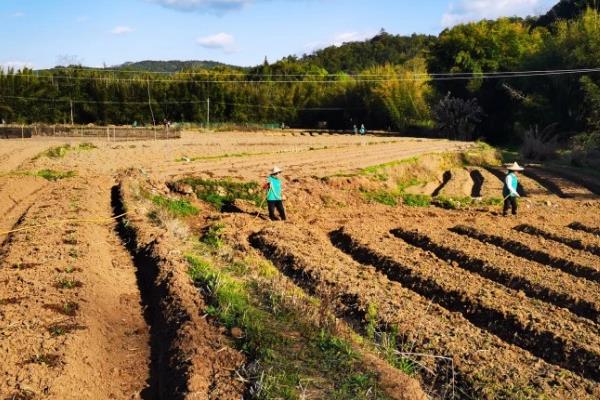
(540, 145)
(416, 200)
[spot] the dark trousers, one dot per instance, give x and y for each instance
(276, 205)
(511, 202)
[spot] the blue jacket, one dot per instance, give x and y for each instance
(274, 193)
(511, 184)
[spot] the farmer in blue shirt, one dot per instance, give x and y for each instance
(275, 195)
(363, 130)
(510, 191)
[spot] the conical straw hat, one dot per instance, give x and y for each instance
(515, 167)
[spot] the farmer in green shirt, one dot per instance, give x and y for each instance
(275, 195)
(510, 193)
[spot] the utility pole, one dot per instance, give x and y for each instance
(208, 113)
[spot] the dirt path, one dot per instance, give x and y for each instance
(83, 335)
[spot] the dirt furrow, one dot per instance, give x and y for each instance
(191, 358)
(544, 330)
(558, 185)
(486, 367)
(577, 226)
(523, 250)
(574, 243)
(576, 176)
(537, 281)
(486, 184)
(16, 196)
(75, 327)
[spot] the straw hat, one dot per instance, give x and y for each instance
(276, 170)
(515, 167)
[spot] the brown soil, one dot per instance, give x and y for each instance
(426, 328)
(101, 348)
(81, 317)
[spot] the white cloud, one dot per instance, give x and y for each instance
(222, 41)
(18, 14)
(338, 40)
(473, 10)
(121, 30)
(18, 65)
(213, 6)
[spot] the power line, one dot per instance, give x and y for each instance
(145, 103)
(382, 78)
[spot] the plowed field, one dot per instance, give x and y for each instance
(391, 237)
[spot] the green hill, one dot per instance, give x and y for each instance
(171, 66)
(566, 9)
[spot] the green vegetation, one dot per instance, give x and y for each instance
(65, 283)
(273, 336)
(222, 192)
(382, 197)
(62, 151)
(452, 203)
(219, 157)
(213, 236)
(51, 175)
(416, 200)
(175, 207)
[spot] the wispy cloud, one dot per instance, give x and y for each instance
(82, 18)
(121, 30)
(211, 6)
(219, 41)
(15, 65)
(472, 10)
(18, 14)
(339, 39)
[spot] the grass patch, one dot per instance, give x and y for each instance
(87, 146)
(52, 175)
(222, 192)
(68, 284)
(219, 157)
(292, 356)
(382, 197)
(452, 203)
(175, 207)
(213, 236)
(56, 152)
(416, 200)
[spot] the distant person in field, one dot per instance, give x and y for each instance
(355, 130)
(275, 195)
(363, 130)
(510, 191)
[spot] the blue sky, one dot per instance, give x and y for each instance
(43, 33)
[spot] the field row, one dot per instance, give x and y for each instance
(447, 303)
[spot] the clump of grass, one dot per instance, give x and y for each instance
(175, 207)
(63, 329)
(490, 201)
(56, 152)
(52, 175)
(65, 283)
(382, 197)
(213, 236)
(416, 200)
(452, 203)
(69, 308)
(87, 146)
(222, 192)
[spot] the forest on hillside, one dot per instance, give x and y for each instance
(466, 83)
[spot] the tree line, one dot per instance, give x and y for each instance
(387, 82)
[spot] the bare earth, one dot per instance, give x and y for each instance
(76, 323)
